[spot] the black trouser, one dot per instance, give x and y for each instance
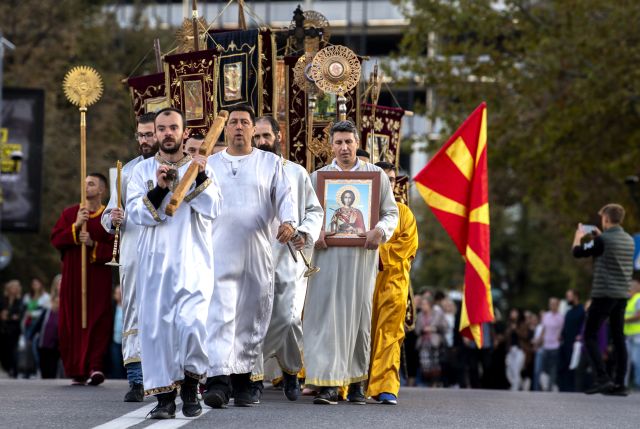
(600, 310)
(48, 362)
(230, 383)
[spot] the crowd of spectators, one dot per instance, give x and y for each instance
(29, 331)
(524, 350)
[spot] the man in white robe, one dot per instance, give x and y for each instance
(129, 233)
(255, 192)
(337, 312)
(284, 336)
(175, 254)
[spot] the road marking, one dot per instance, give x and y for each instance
(138, 416)
(177, 422)
(130, 419)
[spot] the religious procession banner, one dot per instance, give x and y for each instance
(246, 69)
(381, 132)
(191, 84)
(455, 185)
(148, 93)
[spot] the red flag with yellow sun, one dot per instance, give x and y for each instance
(454, 185)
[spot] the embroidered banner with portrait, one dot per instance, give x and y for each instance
(381, 133)
(191, 85)
(148, 93)
(246, 69)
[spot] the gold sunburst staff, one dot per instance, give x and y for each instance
(83, 87)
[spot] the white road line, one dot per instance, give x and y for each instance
(130, 419)
(138, 416)
(179, 421)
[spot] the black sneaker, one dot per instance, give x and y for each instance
(189, 394)
(256, 388)
(355, 395)
(215, 395)
(166, 408)
(617, 390)
(291, 386)
(327, 396)
(600, 387)
(135, 393)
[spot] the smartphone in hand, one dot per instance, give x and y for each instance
(588, 229)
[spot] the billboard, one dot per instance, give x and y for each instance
(21, 144)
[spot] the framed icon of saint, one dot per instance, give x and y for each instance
(350, 200)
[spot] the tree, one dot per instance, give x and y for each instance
(561, 83)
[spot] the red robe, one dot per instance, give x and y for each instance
(83, 350)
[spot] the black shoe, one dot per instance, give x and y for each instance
(291, 386)
(166, 408)
(600, 387)
(617, 390)
(189, 394)
(135, 393)
(256, 388)
(242, 392)
(216, 395)
(327, 396)
(355, 395)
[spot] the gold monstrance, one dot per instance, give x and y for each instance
(336, 69)
(83, 87)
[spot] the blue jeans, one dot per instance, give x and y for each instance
(134, 372)
(537, 370)
(550, 365)
(633, 346)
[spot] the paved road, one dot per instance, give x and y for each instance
(56, 404)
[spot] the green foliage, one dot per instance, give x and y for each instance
(562, 86)
(51, 37)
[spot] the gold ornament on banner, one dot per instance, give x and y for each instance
(83, 87)
(300, 76)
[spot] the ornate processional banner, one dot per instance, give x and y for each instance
(148, 93)
(246, 69)
(192, 85)
(381, 133)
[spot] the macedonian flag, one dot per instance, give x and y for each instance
(454, 185)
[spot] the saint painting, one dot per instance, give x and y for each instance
(233, 81)
(193, 100)
(347, 219)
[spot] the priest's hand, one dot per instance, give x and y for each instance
(201, 161)
(285, 232)
(299, 240)
(161, 176)
(85, 238)
(321, 244)
(374, 238)
(82, 217)
(117, 216)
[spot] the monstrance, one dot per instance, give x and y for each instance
(82, 86)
